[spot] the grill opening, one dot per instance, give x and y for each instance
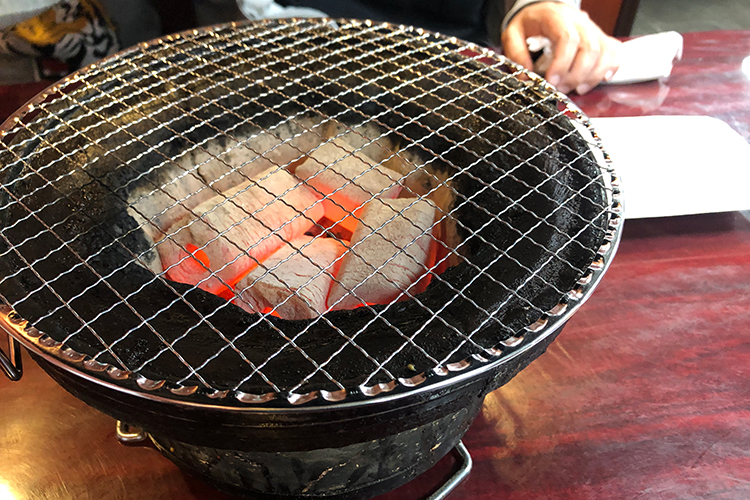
(298, 210)
(304, 233)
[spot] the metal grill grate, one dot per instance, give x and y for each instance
(123, 184)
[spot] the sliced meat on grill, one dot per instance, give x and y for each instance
(347, 180)
(294, 280)
(395, 238)
(237, 230)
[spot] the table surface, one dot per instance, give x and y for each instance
(646, 393)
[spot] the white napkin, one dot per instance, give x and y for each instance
(642, 59)
(677, 165)
(268, 9)
(648, 58)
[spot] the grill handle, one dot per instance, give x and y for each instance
(11, 362)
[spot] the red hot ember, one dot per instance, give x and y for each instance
(248, 243)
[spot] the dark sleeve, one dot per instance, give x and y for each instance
(460, 18)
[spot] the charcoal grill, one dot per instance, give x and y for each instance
(347, 403)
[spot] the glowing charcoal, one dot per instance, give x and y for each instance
(230, 164)
(238, 229)
(294, 282)
(384, 261)
(347, 180)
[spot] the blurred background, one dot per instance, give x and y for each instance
(654, 16)
(47, 49)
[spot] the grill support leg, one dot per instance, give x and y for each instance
(464, 468)
(129, 435)
(11, 363)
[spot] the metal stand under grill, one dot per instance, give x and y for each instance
(176, 452)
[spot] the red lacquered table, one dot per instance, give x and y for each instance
(645, 394)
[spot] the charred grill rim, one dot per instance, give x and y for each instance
(441, 375)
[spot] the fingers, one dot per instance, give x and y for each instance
(514, 46)
(565, 42)
(605, 67)
(584, 73)
(582, 54)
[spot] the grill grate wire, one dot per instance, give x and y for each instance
(182, 88)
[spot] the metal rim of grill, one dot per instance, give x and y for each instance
(164, 78)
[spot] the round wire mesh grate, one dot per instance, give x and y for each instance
(289, 211)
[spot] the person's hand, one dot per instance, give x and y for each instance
(583, 55)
